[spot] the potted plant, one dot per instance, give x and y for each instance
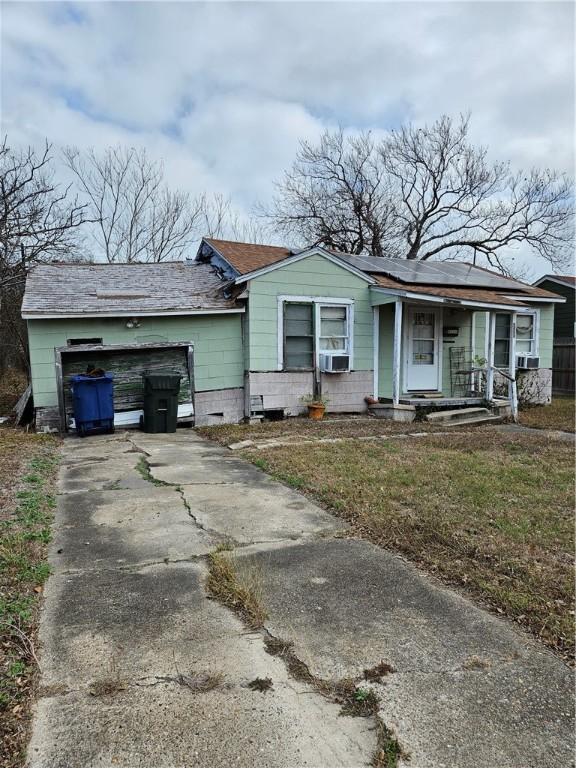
(316, 406)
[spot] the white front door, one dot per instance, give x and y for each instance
(422, 345)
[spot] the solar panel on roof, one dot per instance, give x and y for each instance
(432, 273)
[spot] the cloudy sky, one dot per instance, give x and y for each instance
(223, 91)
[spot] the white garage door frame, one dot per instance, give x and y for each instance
(188, 346)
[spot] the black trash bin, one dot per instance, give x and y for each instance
(161, 401)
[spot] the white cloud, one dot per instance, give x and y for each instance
(223, 91)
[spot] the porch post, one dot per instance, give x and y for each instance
(512, 368)
(397, 359)
(376, 338)
(491, 331)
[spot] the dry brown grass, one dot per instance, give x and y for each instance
(492, 513)
(237, 585)
(560, 414)
(296, 429)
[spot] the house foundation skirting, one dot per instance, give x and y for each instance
(284, 390)
(219, 406)
(534, 387)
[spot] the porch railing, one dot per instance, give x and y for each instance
(489, 371)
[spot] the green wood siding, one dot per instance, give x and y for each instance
(545, 337)
(313, 276)
(386, 351)
(461, 319)
(217, 339)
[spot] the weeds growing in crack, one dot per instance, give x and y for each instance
(236, 586)
(143, 468)
(388, 752)
(354, 699)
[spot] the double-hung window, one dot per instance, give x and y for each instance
(312, 327)
(526, 334)
(526, 337)
(298, 336)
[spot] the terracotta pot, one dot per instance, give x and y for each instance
(316, 411)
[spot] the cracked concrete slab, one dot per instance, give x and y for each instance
(258, 513)
(123, 527)
(467, 686)
(195, 468)
(126, 608)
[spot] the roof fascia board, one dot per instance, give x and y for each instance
(554, 279)
(450, 302)
(134, 313)
(304, 255)
(541, 299)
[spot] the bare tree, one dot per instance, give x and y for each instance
(221, 220)
(137, 217)
(337, 195)
(423, 193)
(39, 221)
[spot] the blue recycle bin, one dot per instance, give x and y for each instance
(93, 398)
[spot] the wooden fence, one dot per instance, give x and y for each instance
(563, 366)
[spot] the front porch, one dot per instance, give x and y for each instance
(434, 354)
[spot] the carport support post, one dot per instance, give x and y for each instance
(397, 351)
(491, 331)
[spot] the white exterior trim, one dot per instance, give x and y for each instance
(298, 257)
(540, 299)
(554, 279)
(376, 349)
(397, 352)
(438, 347)
(317, 302)
(96, 315)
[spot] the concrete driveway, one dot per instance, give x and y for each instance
(139, 668)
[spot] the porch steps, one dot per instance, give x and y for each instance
(462, 416)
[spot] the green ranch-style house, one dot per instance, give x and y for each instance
(250, 328)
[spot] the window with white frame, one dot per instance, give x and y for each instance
(298, 336)
(526, 334)
(526, 337)
(310, 328)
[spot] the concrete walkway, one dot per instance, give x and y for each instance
(139, 668)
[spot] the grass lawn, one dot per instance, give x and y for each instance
(304, 428)
(492, 513)
(560, 414)
(27, 474)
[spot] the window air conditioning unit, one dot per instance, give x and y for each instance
(335, 363)
(527, 363)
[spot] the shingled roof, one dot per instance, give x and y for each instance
(485, 295)
(247, 257)
(123, 289)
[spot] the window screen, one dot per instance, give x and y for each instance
(298, 336)
(525, 341)
(333, 329)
